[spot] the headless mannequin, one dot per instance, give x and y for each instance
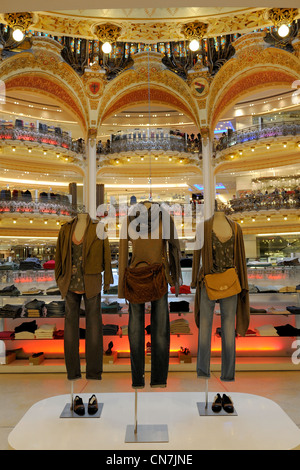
(80, 226)
(221, 226)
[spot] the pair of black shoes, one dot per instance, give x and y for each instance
(79, 408)
(224, 402)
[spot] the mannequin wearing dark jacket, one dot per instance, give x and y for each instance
(151, 231)
(79, 263)
(234, 309)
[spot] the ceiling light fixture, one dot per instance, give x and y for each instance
(194, 32)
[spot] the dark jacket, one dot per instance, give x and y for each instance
(96, 258)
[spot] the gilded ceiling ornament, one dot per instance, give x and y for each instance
(107, 32)
(20, 20)
(282, 15)
(195, 30)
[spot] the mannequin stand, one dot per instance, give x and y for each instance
(145, 432)
(68, 409)
(204, 408)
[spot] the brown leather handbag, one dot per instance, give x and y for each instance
(223, 285)
(145, 283)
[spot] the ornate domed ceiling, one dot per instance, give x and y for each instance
(151, 25)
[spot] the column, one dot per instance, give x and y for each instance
(91, 173)
(99, 194)
(73, 193)
(208, 174)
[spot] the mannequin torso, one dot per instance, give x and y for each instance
(221, 226)
(80, 226)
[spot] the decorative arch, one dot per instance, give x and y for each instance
(43, 70)
(42, 84)
(254, 67)
(147, 73)
(140, 94)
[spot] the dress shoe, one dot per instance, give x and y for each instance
(217, 403)
(78, 406)
(92, 405)
(227, 404)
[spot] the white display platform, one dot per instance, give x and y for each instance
(260, 424)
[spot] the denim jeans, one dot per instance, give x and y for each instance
(160, 342)
(93, 336)
(228, 314)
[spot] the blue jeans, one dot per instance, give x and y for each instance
(93, 336)
(160, 342)
(228, 314)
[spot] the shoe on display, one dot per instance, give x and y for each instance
(78, 406)
(92, 405)
(227, 404)
(217, 403)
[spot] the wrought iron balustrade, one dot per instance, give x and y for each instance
(54, 137)
(257, 132)
(132, 143)
(39, 207)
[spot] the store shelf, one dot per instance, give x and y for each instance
(243, 364)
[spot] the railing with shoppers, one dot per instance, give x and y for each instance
(132, 142)
(43, 135)
(43, 207)
(275, 200)
(259, 131)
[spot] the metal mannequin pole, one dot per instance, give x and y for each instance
(135, 413)
(145, 432)
(71, 394)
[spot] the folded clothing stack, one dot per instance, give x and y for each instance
(182, 289)
(124, 329)
(10, 291)
(110, 329)
(266, 330)
(179, 326)
(35, 308)
(287, 330)
(288, 289)
(293, 309)
(55, 308)
(26, 330)
(112, 307)
(12, 311)
(45, 331)
(7, 335)
(180, 306)
(53, 290)
(33, 291)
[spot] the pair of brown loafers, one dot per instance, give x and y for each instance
(79, 408)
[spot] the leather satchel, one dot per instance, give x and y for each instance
(145, 283)
(223, 285)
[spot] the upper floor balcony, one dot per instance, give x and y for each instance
(42, 134)
(258, 132)
(148, 140)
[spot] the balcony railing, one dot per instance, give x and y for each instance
(257, 132)
(31, 207)
(45, 135)
(132, 142)
(259, 202)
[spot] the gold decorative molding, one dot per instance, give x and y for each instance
(282, 15)
(194, 30)
(20, 20)
(107, 32)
